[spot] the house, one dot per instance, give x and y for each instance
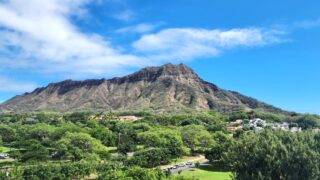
(235, 125)
(316, 130)
(234, 128)
(257, 122)
(295, 129)
(129, 118)
(285, 126)
(31, 120)
(238, 121)
(258, 129)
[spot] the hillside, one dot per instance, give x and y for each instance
(168, 88)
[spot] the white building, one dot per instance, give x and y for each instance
(295, 129)
(257, 122)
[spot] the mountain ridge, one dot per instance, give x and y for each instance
(167, 88)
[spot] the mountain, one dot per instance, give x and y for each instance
(168, 88)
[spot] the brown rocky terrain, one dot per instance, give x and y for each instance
(168, 88)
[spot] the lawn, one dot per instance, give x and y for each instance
(208, 172)
(111, 148)
(187, 158)
(6, 160)
(4, 149)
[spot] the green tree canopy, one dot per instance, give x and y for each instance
(79, 146)
(7, 133)
(274, 155)
(196, 137)
(163, 138)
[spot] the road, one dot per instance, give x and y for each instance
(202, 162)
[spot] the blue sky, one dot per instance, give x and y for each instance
(265, 49)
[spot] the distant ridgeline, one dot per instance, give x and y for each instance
(168, 88)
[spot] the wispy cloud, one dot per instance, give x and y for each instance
(307, 24)
(125, 15)
(139, 28)
(42, 35)
(190, 43)
(13, 86)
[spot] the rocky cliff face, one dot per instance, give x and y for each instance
(168, 88)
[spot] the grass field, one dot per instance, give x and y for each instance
(207, 173)
(111, 148)
(6, 160)
(188, 158)
(4, 149)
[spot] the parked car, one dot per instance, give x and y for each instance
(4, 156)
(189, 163)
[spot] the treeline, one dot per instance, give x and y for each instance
(84, 170)
(75, 145)
(153, 140)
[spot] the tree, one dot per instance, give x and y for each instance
(41, 132)
(138, 173)
(197, 164)
(274, 155)
(13, 173)
(238, 115)
(74, 117)
(112, 175)
(7, 133)
(126, 136)
(163, 138)
(79, 146)
(196, 137)
(132, 173)
(221, 145)
(308, 121)
(35, 152)
(106, 136)
(150, 158)
(76, 170)
(67, 127)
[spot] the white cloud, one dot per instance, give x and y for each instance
(43, 37)
(139, 28)
(13, 86)
(190, 43)
(307, 24)
(39, 36)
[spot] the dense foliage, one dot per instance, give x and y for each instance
(108, 146)
(275, 155)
